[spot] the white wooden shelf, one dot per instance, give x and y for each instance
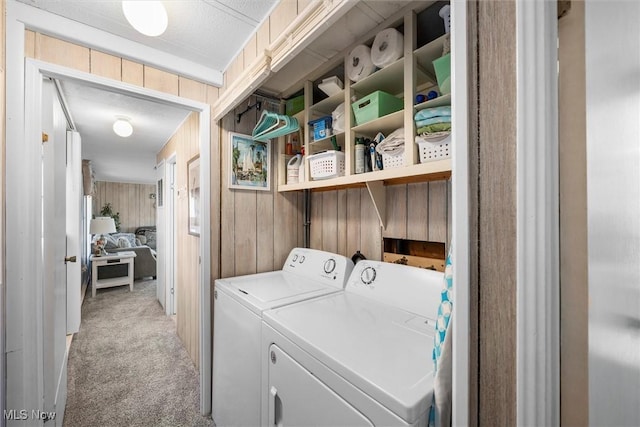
(327, 105)
(385, 124)
(440, 101)
(431, 171)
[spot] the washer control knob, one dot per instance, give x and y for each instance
(329, 265)
(302, 258)
(368, 275)
(295, 257)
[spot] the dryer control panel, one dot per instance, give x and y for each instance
(410, 288)
(318, 265)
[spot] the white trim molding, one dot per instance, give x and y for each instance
(72, 31)
(537, 301)
(460, 207)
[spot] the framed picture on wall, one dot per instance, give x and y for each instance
(193, 189)
(249, 163)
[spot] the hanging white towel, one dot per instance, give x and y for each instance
(442, 382)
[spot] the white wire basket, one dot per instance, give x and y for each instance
(430, 151)
(329, 164)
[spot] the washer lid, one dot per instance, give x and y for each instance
(263, 291)
(382, 350)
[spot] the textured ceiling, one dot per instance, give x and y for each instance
(208, 32)
(114, 158)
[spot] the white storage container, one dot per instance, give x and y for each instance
(325, 165)
(430, 151)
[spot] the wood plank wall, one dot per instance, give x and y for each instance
(59, 52)
(344, 221)
(185, 145)
(258, 228)
(492, 149)
(574, 257)
(130, 200)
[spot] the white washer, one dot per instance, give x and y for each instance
(358, 357)
(238, 306)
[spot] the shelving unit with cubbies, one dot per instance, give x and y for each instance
(413, 73)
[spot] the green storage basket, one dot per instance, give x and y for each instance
(294, 105)
(442, 67)
(375, 105)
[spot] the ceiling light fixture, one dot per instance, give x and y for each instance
(147, 17)
(122, 127)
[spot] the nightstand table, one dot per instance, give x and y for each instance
(113, 259)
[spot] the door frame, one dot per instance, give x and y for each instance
(22, 274)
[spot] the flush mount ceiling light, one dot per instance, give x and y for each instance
(147, 17)
(122, 127)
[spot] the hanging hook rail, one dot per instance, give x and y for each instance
(257, 106)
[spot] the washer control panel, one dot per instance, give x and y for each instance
(319, 265)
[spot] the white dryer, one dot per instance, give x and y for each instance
(358, 357)
(238, 306)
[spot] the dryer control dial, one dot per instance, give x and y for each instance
(329, 265)
(295, 257)
(368, 275)
(302, 258)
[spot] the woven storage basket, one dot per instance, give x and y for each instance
(430, 151)
(390, 162)
(329, 164)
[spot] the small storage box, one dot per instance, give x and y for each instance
(390, 162)
(294, 105)
(321, 127)
(442, 67)
(329, 164)
(430, 151)
(375, 105)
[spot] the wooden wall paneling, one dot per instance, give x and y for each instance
(370, 229)
(29, 44)
(396, 212)
(438, 211)
(342, 223)
(250, 51)
(234, 69)
(330, 221)
(132, 72)
(418, 211)
(286, 220)
(265, 256)
(574, 267)
(353, 221)
(106, 65)
(245, 211)
(497, 208)
(227, 203)
(303, 4)
(262, 41)
(281, 17)
(197, 91)
(215, 161)
(449, 214)
(63, 53)
(160, 80)
(315, 241)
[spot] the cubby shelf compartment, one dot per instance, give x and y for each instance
(427, 53)
(385, 124)
(388, 79)
(327, 105)
(437, 102)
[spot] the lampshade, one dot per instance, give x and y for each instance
(147, 17)
(102, 225)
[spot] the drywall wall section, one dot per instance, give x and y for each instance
(131, 201)
(59, 52)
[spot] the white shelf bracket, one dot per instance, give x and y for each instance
(378, 195)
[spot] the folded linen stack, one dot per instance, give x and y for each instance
(393, 144)
(434, 124)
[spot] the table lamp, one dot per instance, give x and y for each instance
(102, 225)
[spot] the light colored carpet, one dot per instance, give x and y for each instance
(127, 366)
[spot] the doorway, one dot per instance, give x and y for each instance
(24, 320)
